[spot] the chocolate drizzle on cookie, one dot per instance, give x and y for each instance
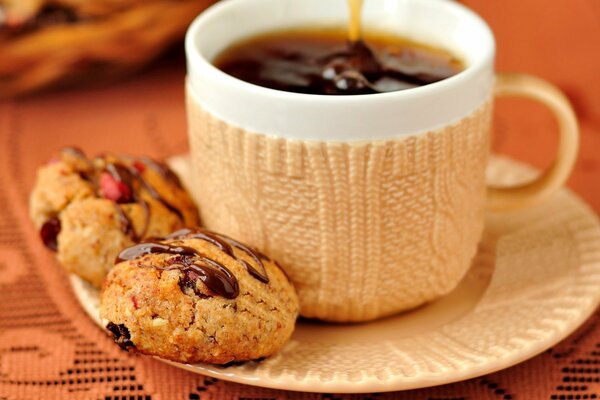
(152, 192)
(162, 169)
(126, 224)
(226, 244)
(129, 176)
(125, 179)
(194, 265)
(205, 235)
(122, 182)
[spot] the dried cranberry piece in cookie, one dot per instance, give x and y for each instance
(121, 335)
(139, 166)
(49, 233)
(114, 190)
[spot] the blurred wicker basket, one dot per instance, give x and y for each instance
(47, 43)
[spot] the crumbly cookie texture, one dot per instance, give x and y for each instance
(87, 210)
(192, 299)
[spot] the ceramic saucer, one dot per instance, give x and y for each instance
(535, 279)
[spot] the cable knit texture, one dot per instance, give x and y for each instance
(364, 229)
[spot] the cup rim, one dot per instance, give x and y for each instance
(200, 63)
(346, 118)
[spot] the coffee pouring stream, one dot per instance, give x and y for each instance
(354, 26)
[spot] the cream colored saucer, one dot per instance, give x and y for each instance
(535, 279)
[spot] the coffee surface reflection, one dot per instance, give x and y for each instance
(326, 62)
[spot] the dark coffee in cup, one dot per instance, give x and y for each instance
(326, 62)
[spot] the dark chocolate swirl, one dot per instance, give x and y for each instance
(226, 244)
(195, 265)
(134, 181)
(129, 175)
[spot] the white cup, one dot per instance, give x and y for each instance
(392, 185)
(298, 116)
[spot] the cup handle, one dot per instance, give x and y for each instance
(523, 195)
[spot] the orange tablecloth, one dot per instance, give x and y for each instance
(50, 350)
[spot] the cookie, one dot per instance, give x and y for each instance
(27, 15)
(87, 210)
(198, 296)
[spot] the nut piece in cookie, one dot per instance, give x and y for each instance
(198, 296)
(87, 210)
